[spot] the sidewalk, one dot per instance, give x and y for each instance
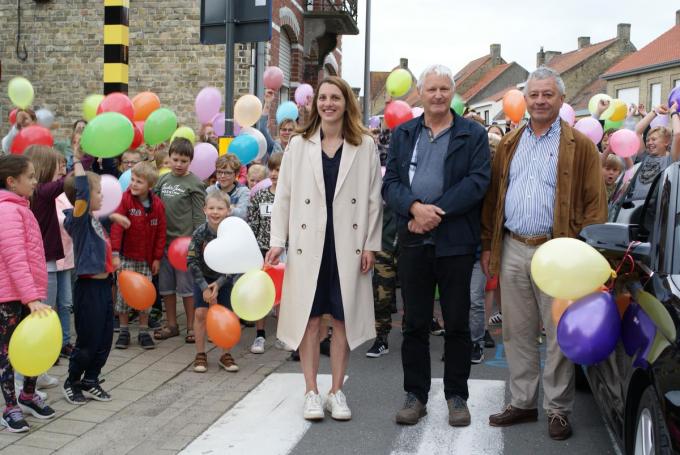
(159, 404)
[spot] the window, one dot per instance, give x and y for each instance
(285, 54)
(654, 95)
(629, 95)
(676, 83)
(486, 117)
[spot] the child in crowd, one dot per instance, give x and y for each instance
(139, 246)
(129, 159)
(256, 173)
(23, 280)
(227, 168)
(162, 159)
(92, 299)
(64, 279)
(183, 195)
(611, 169)
(24, 118)
(259, 219)
(210, 287)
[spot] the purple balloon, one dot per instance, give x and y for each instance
(303, 94)
(591, 128)
(637, 334)
(674, 97)
(266, 183)
(659, 120)
(589, 329)
(208, 103)
(567, 114)
(218, 125)
(374, 122)
(203, 164)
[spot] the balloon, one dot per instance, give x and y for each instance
(208, 103)
(396, 113)
(107, 135)
(144, 104)
(398, 83)
(163, 171)
(417, 111)
(273, 77)
(608, 125)
(595, 100)
(559, 306)
(35, 344)
(178, 251)
(616, 112)
(457, 104)
(31, 135)
(20, 92)
(591, 128)
(252, 297)
(45, 117)
(247, 110)
(138, 138)
(287, 110)
(637, 332)
(244, 147)
(589, 329)
(276, 274)
(259, 137)
(514, 105)
(235, 249)
(117, 102)
(223, 327)
(303, 94)
(112, 195)
(622, 302)
(659, 120)
(203, 164)
(137, 290)
(266, 183)
(13, 116)
(568, 268)
(159, 126)
(374, 122)
(90, 106)
(674, 97)
(124, 179)
(567, 114)
(624, 143)
(217, 123)
(186, 133)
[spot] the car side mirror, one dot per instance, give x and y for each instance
(614, 239)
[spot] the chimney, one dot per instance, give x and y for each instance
(549, 55)
(583, 41)
(495, 51)
(677, 17)
(403, 63)
(540, 58)
(623, 31)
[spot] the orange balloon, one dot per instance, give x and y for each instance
(559, 306)
(136, 289)
(622, 302)
(145, 103)
(223, 326)
(514, 105)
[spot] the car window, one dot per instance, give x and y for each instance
(663, 196)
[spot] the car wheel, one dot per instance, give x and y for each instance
(651, 437)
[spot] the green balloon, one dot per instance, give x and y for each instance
(159, 126)
(457, 104)
(608, 124)
(20, 92)
(398, 83)
(90, 106)
(108, 135)
(185, 132)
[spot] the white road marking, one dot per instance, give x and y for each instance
(433, 435)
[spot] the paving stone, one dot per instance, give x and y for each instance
(69, 426)
(46, 440)
(90, 414)
(18, 449)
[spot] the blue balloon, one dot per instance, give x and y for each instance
(244, 147)
(287, 110)
(124, 179)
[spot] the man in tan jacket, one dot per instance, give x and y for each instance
(545, 183)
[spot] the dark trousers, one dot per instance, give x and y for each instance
(421, 271)
(93, 315)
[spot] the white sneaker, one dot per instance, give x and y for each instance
(258, 346)
(336, 403)
(313, 406)
(45, 381)
(282, 346)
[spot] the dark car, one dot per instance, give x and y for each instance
(638, 386)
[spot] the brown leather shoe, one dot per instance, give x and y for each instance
(412, 411)
(559, 427)
(512, 415)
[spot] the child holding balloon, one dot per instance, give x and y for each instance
(23, 280)
(210, 287)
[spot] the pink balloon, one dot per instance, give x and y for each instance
(624, 143)
(266, 183)
(417, 111)
(218, 125)
(208, 103)
(567, 113)
(112, 194)
(659, 120)
(273, 77)
(591, 128)
(203, 164)
(303, 94)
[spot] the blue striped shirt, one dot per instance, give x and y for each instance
(530, 199)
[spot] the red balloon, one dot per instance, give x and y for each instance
(276, 274)
(31, 135)
(117, 102)
(136, 289)
(13, 116)
(177, 253)
(223, 327)
(139, 135)
(397, 112)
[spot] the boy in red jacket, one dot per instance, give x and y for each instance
(138, 239)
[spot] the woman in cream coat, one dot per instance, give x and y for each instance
(328, 212)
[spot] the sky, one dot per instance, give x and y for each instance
(452, 32)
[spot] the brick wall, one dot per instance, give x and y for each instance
(666, 78)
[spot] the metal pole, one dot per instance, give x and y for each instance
(259, 69)
(229, 72)
(367, 65)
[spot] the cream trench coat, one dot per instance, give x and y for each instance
(299, 221)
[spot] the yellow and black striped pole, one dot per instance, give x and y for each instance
(116, 42)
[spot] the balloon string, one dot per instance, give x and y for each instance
(627, 258)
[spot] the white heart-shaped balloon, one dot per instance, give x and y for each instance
(235, 250)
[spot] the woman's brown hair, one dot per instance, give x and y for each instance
(45, 160)
(352, 128)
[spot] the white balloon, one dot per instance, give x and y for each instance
(235, 250)
(45, 117)
(261, 141)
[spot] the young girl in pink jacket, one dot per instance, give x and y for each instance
(23, 281)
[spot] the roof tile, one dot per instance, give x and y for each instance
(488, 77)
(565, 62)
(663, 49)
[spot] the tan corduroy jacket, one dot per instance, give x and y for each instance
(580, 196)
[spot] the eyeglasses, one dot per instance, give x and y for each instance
(225, 173)
(130, 162)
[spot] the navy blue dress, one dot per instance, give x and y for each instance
(328, 298)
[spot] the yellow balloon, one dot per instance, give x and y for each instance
(90, 106)
(398, 83)
(252, 297)
(35, 344)
(616, 111)
(185, 132)
(20, 92)
(163, 171)
(592, 104)
(247, 110)
(567, 268)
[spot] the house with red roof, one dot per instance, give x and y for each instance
(648, 75)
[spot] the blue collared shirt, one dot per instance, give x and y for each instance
(530, 199)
